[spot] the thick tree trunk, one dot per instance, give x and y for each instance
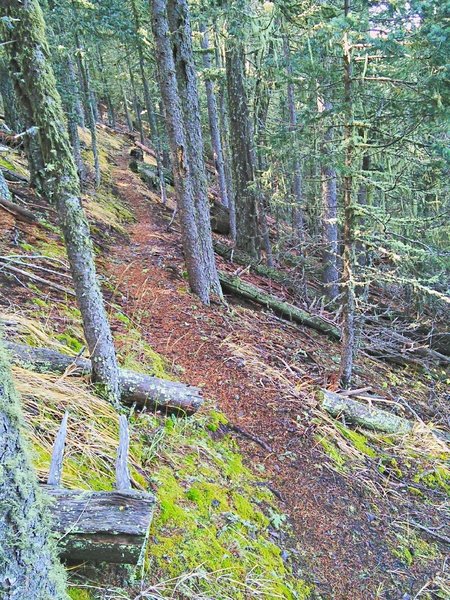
(197, 275)
(247, 234)
(29, 567)
(35, 86)
(179, 21)
(145, 391)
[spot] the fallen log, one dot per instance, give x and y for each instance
(144, 391)
(368, 417)
(22, 214)
(365, 416)
(100, 526)
(238, 287)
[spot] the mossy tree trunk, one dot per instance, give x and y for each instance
(29, 567)
(198, 275)
(35, 86)
(179, 21)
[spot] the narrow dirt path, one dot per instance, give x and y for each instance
(332, 522)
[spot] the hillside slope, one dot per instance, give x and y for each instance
(303, 502)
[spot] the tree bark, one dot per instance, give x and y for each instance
(36, 88)
(197, 275)
(297, 219)
(357, 413)
(179, 22)
(247, 234)
(29, 567)
(213, 116)
(328, 177)
(348, 259)
(89, 109)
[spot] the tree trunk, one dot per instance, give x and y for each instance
(29, 567)
(248, 291)
(127, 112)
(89, 109)
(297, 218)
(195, 265)
(36, 89)
(100, 526)
(5, 194)
(136, 105)
(348, 259)
(10, 108)
(77, 101)
(179, 21)
(149, 105)
(247, 234)
(72, 111)
(213, 116)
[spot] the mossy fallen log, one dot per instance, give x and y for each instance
(100, 526)
(365, 416)
(238, 287)
(369, 417)
(145, 391)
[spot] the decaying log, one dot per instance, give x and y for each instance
(368, 417)
(237, 286)
(145, 391)
(365, 416)
(100, 526)
(22, 214)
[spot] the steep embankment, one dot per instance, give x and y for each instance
(262, 372)
(220, 531)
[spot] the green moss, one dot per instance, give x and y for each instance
(215, 420)
(70, 341)
(358, 440)
(333, 452)
(412, 548)
(79, 594)
(436, 478)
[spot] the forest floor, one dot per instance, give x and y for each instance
(350, 498)
(247, 362)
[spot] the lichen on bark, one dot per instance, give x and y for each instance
(29, 566)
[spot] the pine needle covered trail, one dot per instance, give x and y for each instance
(245, 360)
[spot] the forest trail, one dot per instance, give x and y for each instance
(335, 538)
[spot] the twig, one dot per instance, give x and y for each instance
(249, 436)
(32, 277)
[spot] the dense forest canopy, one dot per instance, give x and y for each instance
(281, 168)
